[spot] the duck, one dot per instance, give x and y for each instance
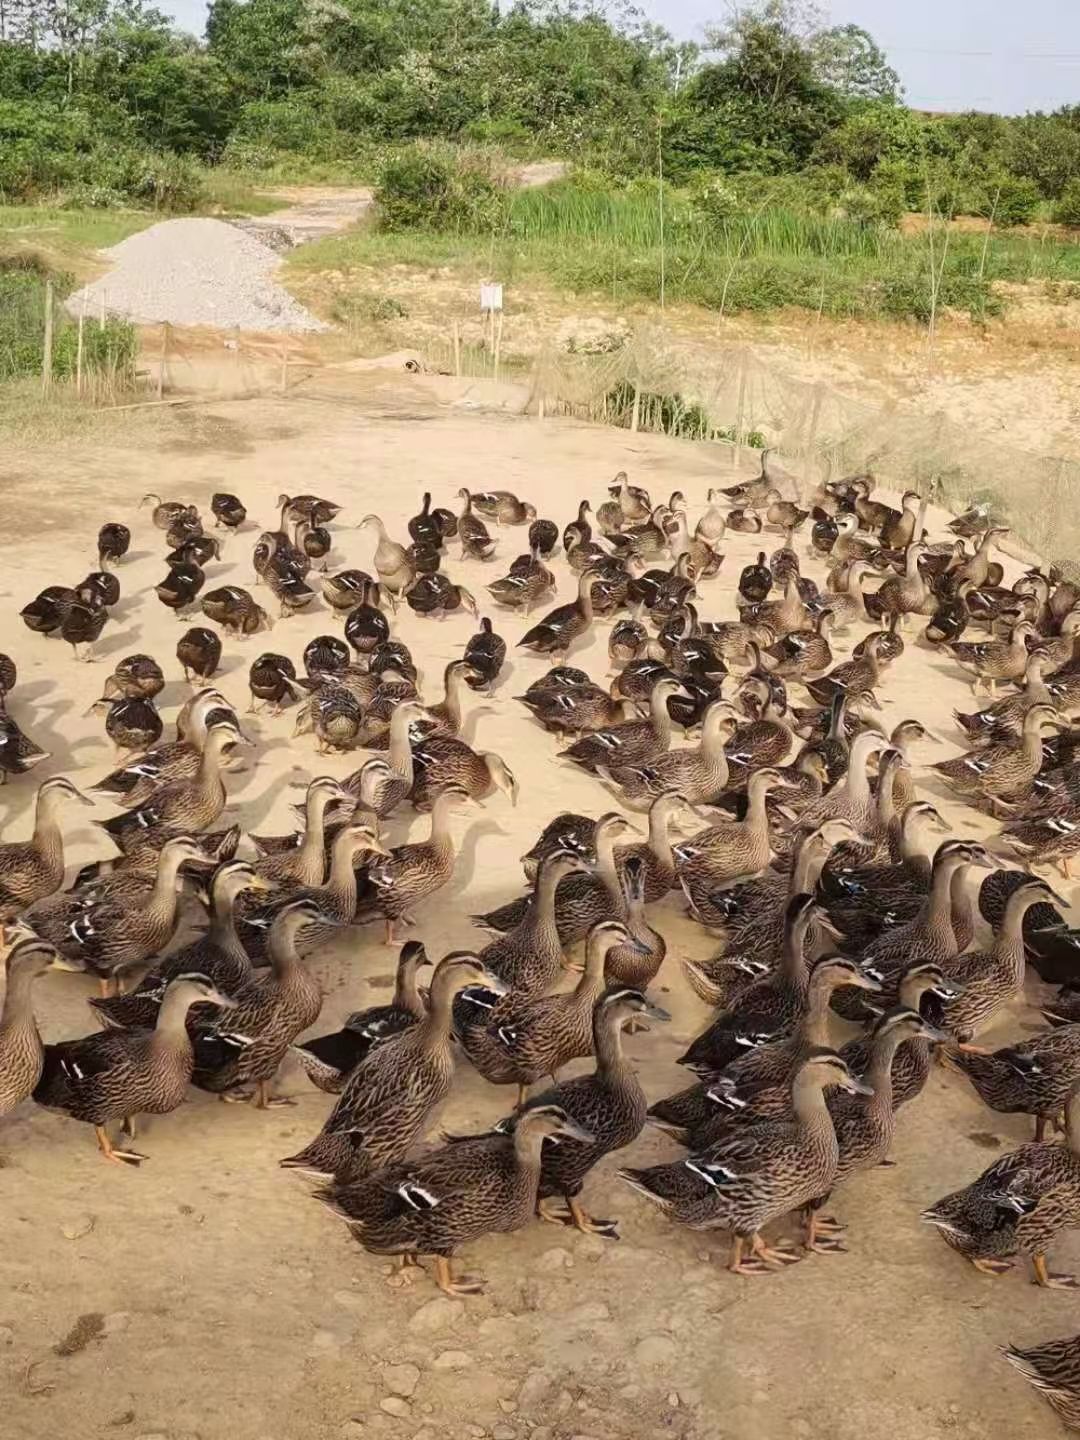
(423, 526)
(165, 512)
(326, 655)
(543, 536)
(135, 677)
(197, 550)
(759, 1174)
(218, 954)
(438, 595)
(1031, 1078)
(576, 709)
(634, 742)
(579, 531)
(32, 869)
(1054, 1370)
(8, 675)
(109, 938)
(529, 957)
(994, 660)
(560, 627)
(199, 653)
(1045, 1178)
(609, 1103)
(852, 677)
(82, 624)
(637, 962)
(22, 1054)
(486, 653)
(392, 564)
(923, 988)
(228, 511)
(442, 762)
(699, 775)
(175, 759)
(389, 1097)
(345, 589)
(380, 786)
(132, 725)
(113, 543)
(193, 804)
(469, 1188)
(328, 1060)
(312, 508)
(627, 641)
(272, 681)
(503, 506)
(525, 585)
(181, 586)
(366, 627)
(100, 587)
(729, 849)
(313, 540)
(990, 979)
(304, 863)
(476, 541)
(410, 873)
(995, 772)
(527, 1037)
(18, 753)
(802, 654)
(756, 1084)
(119, 1074)
(246, 1045)
(771, 1007)
(865, 1123)
(234, 609)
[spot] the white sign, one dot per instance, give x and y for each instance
(491, 297)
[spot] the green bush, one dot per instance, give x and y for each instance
(422, 188)
(1067, 209)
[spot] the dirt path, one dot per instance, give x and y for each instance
(313, 212)
(206, 1296)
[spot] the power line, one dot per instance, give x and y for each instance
(1066, 58)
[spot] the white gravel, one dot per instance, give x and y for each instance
(196, 272)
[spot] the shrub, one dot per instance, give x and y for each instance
(1011, 199)
(422, 188)
(1067, 209)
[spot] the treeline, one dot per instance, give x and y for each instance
(103, 100)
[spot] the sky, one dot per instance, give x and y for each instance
(950, 54)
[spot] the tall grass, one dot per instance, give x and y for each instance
(591, 239)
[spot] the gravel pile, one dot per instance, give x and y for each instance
(196, 272)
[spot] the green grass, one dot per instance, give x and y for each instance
(600, 241)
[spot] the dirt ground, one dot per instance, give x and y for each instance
(207, 1295)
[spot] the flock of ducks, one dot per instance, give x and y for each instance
(846, 918)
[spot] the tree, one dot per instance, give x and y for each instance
(849, 61)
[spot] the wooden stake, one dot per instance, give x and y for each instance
(163, 360)
(101, 312)
(47, 347)
(284, 366)
(740, 410)
(498, 348)
(540, 408)
(457, 350)
(635, 416)
(79, 349)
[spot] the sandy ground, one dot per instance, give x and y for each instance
(206, 1295)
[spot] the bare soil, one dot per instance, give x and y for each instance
(206, 1294)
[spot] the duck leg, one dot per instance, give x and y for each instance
(1048, 1281)
(264, 1100)
(464, 1285)
(389, 931)
(992, 1267)
(589, 1224)
(522, 1096)
(823, 1235)
(118, 1157)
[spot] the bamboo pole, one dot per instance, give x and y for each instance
(740, 410)
(101, 312)
(457, 350)
(163, 359)
(498, 347)
(47, 346)
(79, 350)
(635, 416)
(284, 366)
